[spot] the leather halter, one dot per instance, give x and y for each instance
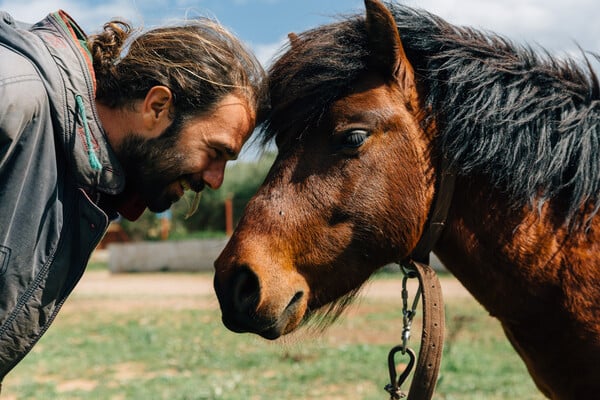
(432, 336)
(438, 214)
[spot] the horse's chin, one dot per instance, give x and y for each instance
(314, 318)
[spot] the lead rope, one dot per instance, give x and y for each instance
(432, 337)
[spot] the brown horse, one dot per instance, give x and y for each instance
(368, 115)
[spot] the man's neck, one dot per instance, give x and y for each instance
(115, 122)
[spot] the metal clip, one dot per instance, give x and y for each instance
(408, 314)
(394, 387)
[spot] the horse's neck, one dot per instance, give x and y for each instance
(507, 257)
(539, 279)
(494, 250)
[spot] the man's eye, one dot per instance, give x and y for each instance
(217, 152)
(225, 153)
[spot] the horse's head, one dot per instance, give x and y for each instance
(351, 187)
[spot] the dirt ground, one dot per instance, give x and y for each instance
(126, 291)
(181, 284)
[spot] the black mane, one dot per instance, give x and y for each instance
(528, 121)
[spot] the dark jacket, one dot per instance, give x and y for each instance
(55, 164)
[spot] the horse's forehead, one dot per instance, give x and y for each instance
(371, 100)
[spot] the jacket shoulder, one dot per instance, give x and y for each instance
(22, 92)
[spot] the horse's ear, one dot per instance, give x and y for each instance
(387, 52)
(294, 39)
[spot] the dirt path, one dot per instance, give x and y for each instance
(103, 284)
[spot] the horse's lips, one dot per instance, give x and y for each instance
(273, 332)
(269, 328)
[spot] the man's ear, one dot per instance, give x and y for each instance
(156, 107)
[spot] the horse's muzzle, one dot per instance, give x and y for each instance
(246, 307)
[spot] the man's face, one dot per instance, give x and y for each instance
(186, 156)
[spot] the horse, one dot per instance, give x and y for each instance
(370, 115)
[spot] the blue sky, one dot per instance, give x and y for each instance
(264, 24)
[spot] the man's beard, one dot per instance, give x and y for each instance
(150, 165)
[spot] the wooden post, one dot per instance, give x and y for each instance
(229, 216)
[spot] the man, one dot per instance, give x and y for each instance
(91, 128)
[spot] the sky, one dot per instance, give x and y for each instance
(556, 25)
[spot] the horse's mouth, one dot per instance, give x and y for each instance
(239, 326)
(268, 327)
(270, 332)
(250, 322)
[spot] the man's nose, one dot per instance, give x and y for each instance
(213, 174)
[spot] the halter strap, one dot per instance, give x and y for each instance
(437, 217)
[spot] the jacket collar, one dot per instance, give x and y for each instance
(93, 161)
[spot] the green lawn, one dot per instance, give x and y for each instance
(184, 352)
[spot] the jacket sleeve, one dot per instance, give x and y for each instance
(22, 95)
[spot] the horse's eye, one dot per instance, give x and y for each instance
(354, 139)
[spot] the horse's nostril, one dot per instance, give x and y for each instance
(246, 291)
(296, 297)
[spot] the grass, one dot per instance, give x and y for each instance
(97, 266)
(184, 352)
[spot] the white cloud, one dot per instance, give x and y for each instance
(553, 24)
(90, 17)
(265, 52)
(32, 11)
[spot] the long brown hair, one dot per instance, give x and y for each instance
(200, 61)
